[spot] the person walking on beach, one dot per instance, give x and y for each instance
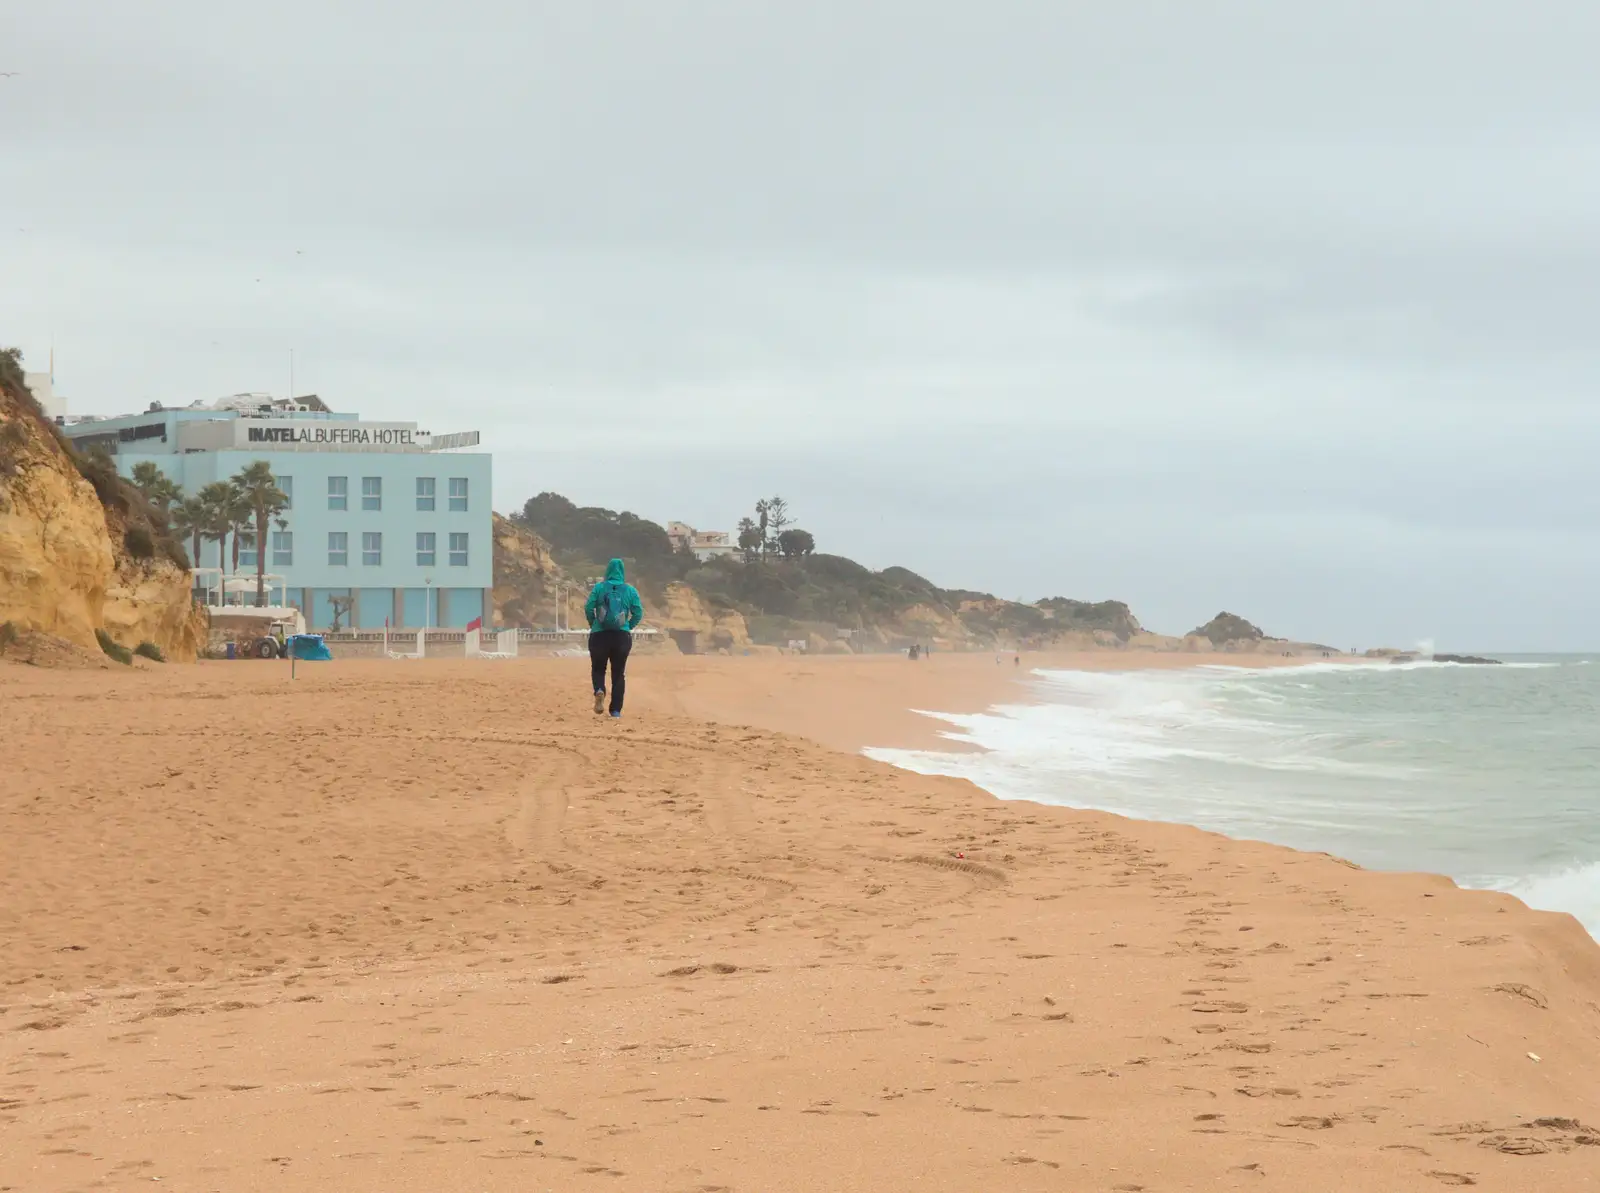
(613, 610)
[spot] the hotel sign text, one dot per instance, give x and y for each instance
(338, 436)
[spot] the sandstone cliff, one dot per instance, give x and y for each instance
(79, 549)
(525, 578)
(1227, 631)
(527, 582)
(830, 602)
(1104, 619)
(680, 611)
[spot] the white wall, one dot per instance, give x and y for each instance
(44, 393)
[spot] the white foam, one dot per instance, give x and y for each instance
(1575, 890)
(1293, 755)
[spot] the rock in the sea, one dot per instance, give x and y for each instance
(1446, 658)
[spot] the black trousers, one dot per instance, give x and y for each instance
(610, 646)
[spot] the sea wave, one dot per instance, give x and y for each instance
(1575, 890)
(1362, 667)
(1463, 776)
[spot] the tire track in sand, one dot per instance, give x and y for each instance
(542, 801)
(726, 802)
(727, 808)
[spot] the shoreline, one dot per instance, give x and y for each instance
(440, 928)
(809, 705)
(883, 704)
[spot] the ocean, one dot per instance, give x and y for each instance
(1490, 775)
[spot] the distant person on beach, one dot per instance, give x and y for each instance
(613, 610)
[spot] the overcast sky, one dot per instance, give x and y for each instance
(1282, 307)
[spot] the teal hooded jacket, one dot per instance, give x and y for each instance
(614, 575)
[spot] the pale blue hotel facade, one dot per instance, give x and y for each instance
(390, 515)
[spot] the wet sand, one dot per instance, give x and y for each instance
(434, 926)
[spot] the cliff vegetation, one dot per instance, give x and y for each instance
(776, 588)
(83, 553)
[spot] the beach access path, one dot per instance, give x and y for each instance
(433, 926)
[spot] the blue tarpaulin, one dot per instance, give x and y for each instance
(308, 646)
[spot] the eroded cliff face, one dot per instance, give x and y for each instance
(152, 603)
(55, 556)
(64, 568)
(525, 577)
(683, 609)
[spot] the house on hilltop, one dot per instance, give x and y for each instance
(706, 544)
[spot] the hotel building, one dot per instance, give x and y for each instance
(393, 518)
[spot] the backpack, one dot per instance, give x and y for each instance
(612, 609)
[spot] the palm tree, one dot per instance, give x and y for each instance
(159, 489)
(239, 512)
(189, 522)
(219, 522)
(257, 487)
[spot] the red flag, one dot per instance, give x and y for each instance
(475, 624)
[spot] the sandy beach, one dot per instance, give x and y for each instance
(433, 926)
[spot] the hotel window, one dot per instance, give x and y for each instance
(338, 548)
(426, 549)
(458, 494)
(425, 492)
(282, 548)
(247, 548)
(372, 549)
(458, 550)
(338, 492)
(286, 487)
(372, 492)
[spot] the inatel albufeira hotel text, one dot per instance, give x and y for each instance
(394, 518)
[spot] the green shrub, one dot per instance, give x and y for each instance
(139, 542)
(110, 645)
(149, 650)
(770, 630)
(11, 381)
(589, 536)
(13, 439)
(98, 468)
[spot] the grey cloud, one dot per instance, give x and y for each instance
(1273, 306)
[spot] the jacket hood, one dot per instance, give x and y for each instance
(614, 570)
